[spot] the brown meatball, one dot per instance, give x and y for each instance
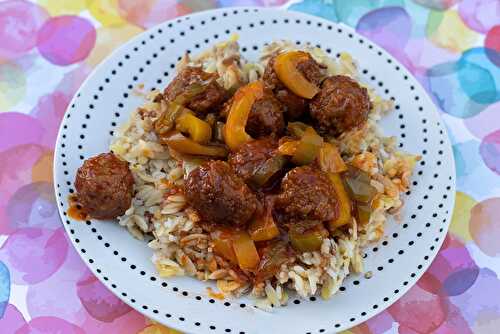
(104, 186)
(307, 194)
(266, 117)
(219, 195)
(341, 105)
(210, 98)
(250, 156)
(294, 105)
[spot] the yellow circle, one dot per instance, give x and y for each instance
(61, 7)
(461, 216)
(106, 12)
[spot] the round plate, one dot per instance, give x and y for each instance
(123, 263)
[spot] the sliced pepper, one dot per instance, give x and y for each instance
(364, 212)
(297, 128)
(289, 147)
(192, 91)
(358, 184)
(345, 206)
(268, 169)
(223, 244)
(180, 143)
(329, 159)
(286, 69)
(234, 130)
(166, 122)
(264, 227)
(309, 240)
(245, 250)
(274, 257)
(199, 130)
(308, 148)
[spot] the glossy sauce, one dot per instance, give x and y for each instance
(76, 211)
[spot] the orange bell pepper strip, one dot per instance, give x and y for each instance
(288, 147)
(198, 130)
(264, 227)
(234, 130)
(329, 159)
(180, 143)
(285, 66)
(345, 206)
(245, 250)
(223, 244)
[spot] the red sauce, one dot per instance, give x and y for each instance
(76, 211)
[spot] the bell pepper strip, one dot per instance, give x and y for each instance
(297, 128)
(166, 121)
(308, 148)
(358, 185)
(274, 256)
(198, 130)
(268, 169)
(180, 143)
(363, 212)
(192, 91)
(245, 250)
(223, 244)
(308, 241)
(234, 130)
(288, 147)
(329, 159)
(344, 216)
(263, 227)
(285, 66)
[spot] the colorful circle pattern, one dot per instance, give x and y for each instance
(49, 47)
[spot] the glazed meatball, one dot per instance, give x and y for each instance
(294, 105)
(266, 117)
(211, 96)
(251, 156)
(219, 195)
(307, 195)
(341, 105)
(105, 186)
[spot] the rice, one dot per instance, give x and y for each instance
(181, 247)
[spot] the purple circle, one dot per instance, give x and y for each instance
(490, 151)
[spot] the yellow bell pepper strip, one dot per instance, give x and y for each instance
(285, 67)
(358, 185)
(263, 227)
(329, 159)
(345, 206)
(297, 128)
(180, 143)
(309, 240)
(245, 250)
(268, 169)
(234, 130)
(165, 123)
(288, 147)
(223, 244)
(308, 148)
(198, 130)
(364, 212)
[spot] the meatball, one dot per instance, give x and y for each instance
(251, 156)
(211, 96)
(104, 186)
(341, 105)
(266, 117)
(307, 194)
(295, 106)
(219, 195)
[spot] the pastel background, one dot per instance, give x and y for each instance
(48, 47)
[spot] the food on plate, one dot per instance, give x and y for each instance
(264, 176)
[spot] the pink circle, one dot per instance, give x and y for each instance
(49, 325)
(34, 254)
(50, 111)
(18, 129)
(484, 122)
(12, 319)
(484, 226)
(479, 15)
(65, 40)
(148, 13)
(19, 24)
(490, 151)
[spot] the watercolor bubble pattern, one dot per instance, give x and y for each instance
(451, 46)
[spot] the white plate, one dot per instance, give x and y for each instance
(123, 263)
